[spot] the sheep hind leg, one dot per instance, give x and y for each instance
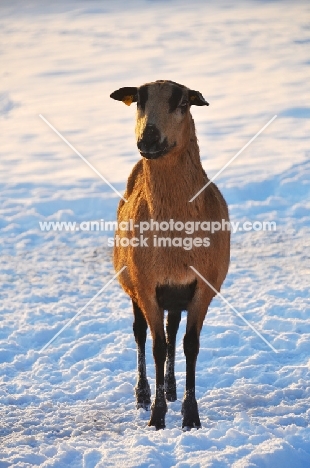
(142, 390)
(172, 326)
(195, 317)
(189, 406)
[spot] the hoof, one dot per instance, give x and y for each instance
(191, 422)
(158, 416)
(144, 405)
(171, 396)
(190, 414)
(188, 428)
(143, 395)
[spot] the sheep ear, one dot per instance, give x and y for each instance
(128, 95)
(196, 98)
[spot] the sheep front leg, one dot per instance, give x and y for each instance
(172, 326)
(159, 406)
(142, 390)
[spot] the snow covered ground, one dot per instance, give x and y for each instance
(73, 404)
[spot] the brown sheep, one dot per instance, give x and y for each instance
(156, 278)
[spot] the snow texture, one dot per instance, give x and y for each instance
(73, 404)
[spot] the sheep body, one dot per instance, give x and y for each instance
(153, 266)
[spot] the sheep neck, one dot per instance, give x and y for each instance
(171, 181)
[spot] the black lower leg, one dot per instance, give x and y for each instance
(172, 326)
(142, 390)
(190, 408)
(159, 406)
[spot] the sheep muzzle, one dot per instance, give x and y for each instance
(150, 144)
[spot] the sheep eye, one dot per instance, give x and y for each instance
(183, 105)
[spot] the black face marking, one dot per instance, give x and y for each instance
(175, 297)
(143, 96)
(175, 98)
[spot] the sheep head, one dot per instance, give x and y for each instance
(163, 115)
